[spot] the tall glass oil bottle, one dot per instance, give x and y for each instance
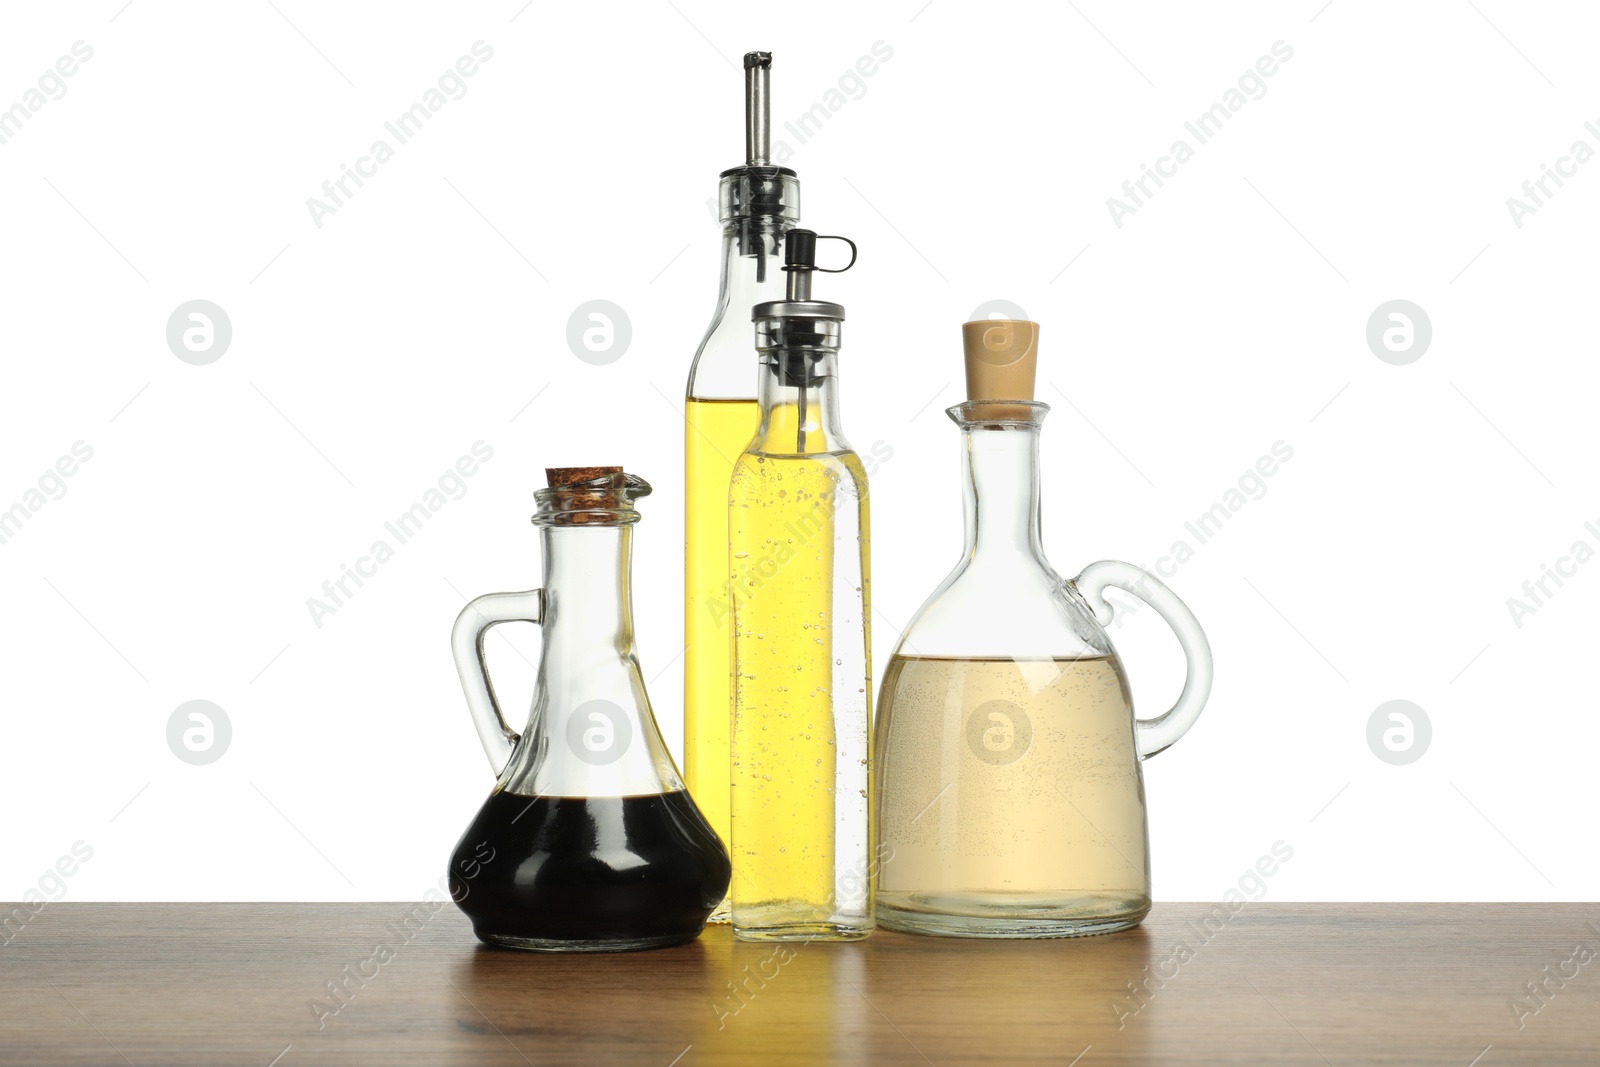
(797, 533)
(758, 204)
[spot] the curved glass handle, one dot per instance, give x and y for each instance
(466, 643)
(1157, 734)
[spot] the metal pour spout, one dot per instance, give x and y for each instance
(757, 109)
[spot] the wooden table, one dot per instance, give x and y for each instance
(1273, 984)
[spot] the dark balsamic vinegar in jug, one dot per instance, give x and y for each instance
(589, 842)
(616, 872)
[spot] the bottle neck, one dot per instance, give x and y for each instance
(752, 262)
(1000, 490)
(588, 599)
(799, 400)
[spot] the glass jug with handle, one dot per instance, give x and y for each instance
(589, 841)
(1008, 781)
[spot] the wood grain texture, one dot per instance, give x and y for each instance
(1279, 984)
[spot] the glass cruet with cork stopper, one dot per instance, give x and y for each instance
(1010, 797)
(800, 592)
(589, 841)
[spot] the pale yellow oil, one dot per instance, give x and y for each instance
(800, 644)
(1012, 799)
(716, 432)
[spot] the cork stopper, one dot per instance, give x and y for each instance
(594, 498)
(1002, 356)
(559, 477)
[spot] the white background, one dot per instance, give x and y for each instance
(430, 311)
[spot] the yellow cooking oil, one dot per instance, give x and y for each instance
(785, 514)
(717, 432)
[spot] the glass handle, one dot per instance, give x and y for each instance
(466, 643)
(1157, 734)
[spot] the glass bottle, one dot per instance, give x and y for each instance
(588, 842)
(802, 664)
(758, 204)
(1011, 799)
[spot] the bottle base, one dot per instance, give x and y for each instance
(1008, 922)
(539, 944)
(802, 932)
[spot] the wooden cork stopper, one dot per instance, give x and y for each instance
(1001, 357)
(584, 499)
(556, 477)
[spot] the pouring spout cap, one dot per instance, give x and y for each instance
(800, 262)
(761, 188)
